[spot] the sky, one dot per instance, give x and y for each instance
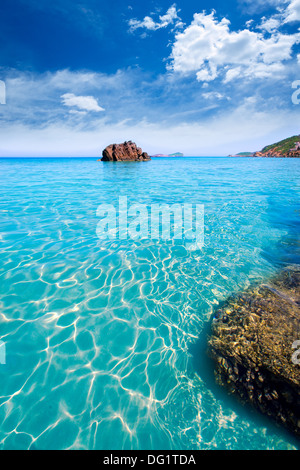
(205, 78)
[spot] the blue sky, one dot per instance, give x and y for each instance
(199, 77)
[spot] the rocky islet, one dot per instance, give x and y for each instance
(128, 151)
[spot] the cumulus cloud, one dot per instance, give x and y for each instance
(293, 12)
(165, 20)
(85, 103)
(209, 48)
(270, 25)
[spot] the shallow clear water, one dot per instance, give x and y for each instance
(102, 337)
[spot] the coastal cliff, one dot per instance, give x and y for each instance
(287, 148)
(128, 151)
(251, 343)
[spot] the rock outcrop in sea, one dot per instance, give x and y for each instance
(128, 151)
(252, 343)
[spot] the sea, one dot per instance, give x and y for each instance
(104, 340)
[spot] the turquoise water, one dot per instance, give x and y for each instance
(102, 336)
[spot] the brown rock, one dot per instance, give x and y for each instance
(128, 151)
(274, 153)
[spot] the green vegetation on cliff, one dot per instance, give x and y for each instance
(283, 146)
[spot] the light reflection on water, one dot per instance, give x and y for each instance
(99, 334)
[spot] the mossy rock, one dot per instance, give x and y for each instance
(251, 343)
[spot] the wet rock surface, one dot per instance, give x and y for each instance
(251, 344)
(128, 151)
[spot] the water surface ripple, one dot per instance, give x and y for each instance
(98, 333)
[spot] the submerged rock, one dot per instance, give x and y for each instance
(128, 151)
(251, 343)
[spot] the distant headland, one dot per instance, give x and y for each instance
(287, 148)
(160, 155)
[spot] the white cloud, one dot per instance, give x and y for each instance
(289, 10)
(213, 95)
(270, 25)
(34, 121)
(249, 23)
(164, 20)
(246, 128)
(208, 73)
(79, 113)
(293, 11)
(209, 48)
(231, 74)
(86, 103)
